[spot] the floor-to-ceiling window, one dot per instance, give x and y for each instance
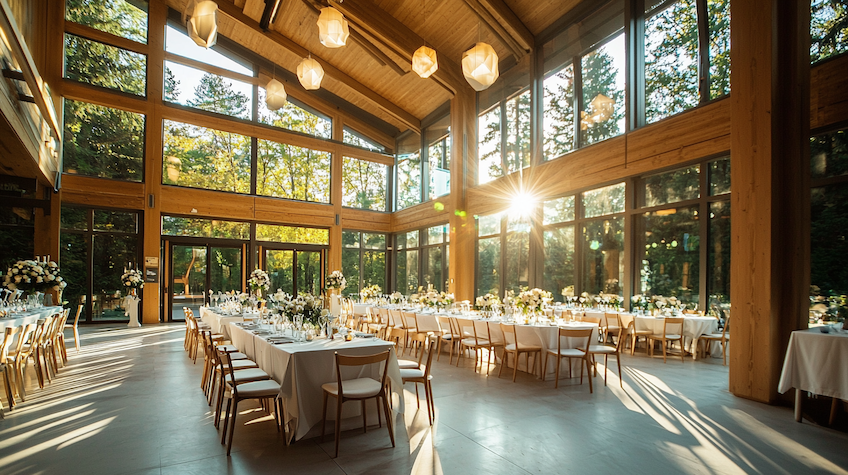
(364, 261)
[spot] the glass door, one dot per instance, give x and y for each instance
(188, 279)
(294, 270)
(308, 272)
(278, 265)
(224, 269)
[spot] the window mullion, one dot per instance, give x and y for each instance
(703, 51)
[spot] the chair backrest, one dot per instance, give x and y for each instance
(575, 333)
(481, 331)
(465, 327)
(8, 336)
(428, 323)
(445, 325)
(396, 317)
(508, 330)
(613, 321)
(726, 330)
(26, 334)
(410, 320)
(55, 324)
(77, 317)
(495, 334)
(623, 334)
(60, 325)
(591, 319)
(344, 360)
(676, 323)
(456, 332)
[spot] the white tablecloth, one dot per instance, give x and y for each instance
(814, 363)
(219, 323)
(693, 328)
(30, 316)
(301, 369)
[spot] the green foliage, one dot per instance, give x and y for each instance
(206, 158)
(119, 17)
(103, 65)
(488, 265)
(719, 23)
(559, 112)
(559, 259)
(215, 94)
(513, 119)
(103, 142)
(600, 76)
(828, 28)
(671, 262)
(364, 184)
(829, 215)
(408, 180)
(297, 173)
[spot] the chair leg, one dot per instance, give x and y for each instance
(226, 421)
(76, 339)
(558, 364)
(365, 417)
(664, 345)
(232, 426)
(324, 418)
(389, 422)
(588, 369)
(618, 360)
(606, 365)
(338, 423)
(379, 417)
(515, 360)
(545, 367)
(503, 362)
(428, 397)
(682, 351)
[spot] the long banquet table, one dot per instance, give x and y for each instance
(30, 316)
(301, 369)
(218, 321)
(694, 326)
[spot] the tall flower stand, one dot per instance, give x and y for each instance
(131, 309)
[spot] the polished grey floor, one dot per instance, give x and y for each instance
(130, 402)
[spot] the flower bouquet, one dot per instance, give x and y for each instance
(133, 280)
(487, 303)
(335, 280)
(34, 275)
(530, 301)
(370, 292)
(259, 280)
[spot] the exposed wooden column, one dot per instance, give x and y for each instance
(334, 258)
(151, 294)
(770, 196)
(463, 118)
(46, 242)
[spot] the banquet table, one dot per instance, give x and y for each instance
(814, 364)
(30, 316)
(301, 369)
(693, 328)
(218, 321)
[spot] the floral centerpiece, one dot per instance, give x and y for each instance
(487, 303)
(259, 281)
(568, 294)
(585, 299)
(308, 306)
(370, 292)
(133, 279)
(395, 297)
(530, 301)
(34, 275)
(335, 281)
(639, 301)
(439, 299)
(611, 300)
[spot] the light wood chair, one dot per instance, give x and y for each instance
(57, 343)
(38, 347)
(18, 358)
(421, 375)
(265, 390)
(635, 335)
(608, 351)
(379, 322)
(9, 380)
(579, 353)
(447, 336)
(665, 337)
(410, 326)
(75, 328)
(723, 338)
(360, 389)
(513, 347)
(612, 326)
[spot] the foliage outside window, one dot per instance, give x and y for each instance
(489, 255)
(602, 201)
(718, 257)
(829, 213)
(517, 253)
(671, 259)
(435, 258)
(603, 256)
(558, 121)
(358, 140)
(438, 158)
(103, 65)
(210, 92)
(103, 142)
(407, 245)
(297, 173)
(17, 233)
(719, 176)
(719, 26)
(292, 234)
(199, 227)
(828, 29)
(408, 167)
(364, 184)
(211, 159)
(558, 244)
(504, 145)
(602, 113)
(124, 18)
(294, 117)
(363, 261)
(672, 187)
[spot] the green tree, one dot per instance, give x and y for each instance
(559, 112)
(600, 76)
(828, 28)
(363, 184)
(213, 94)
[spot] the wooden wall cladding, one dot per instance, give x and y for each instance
(294, 212)
(366, 220)
(422, 215)
(829, 92)
(99, 192)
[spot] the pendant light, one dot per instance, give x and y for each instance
(424, 62)
(202, 23)
(332, 28)
(310, 73)
(480, 66)
(275, 95)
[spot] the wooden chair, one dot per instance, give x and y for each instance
(379, 322)
(421, 375)
(75, 328)
(472, 340)
(634, 337)
(360, 389)
(607, 350)
(410, 326)
(447, 335)
(514, 348)
(665, 337)
(18, 357)
(612, 326)
(5, 344)
(579, 353)
(230, 375)
(57, 343)
(264, 390)
(38, 348)
(723, 338)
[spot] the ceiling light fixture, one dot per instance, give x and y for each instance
(310, 73)
(202, 22)
(480, 66)
(333, 28)
(424, 62)
(275, 95)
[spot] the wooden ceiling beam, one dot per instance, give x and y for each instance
(508, 19)
(234, 12)
(499, 30)
(400, 38)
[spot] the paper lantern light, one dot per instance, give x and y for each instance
(424, 62)
(202, 22)
(310, 73)
(332, 28)
(275, 95)
(480, 66)
(602, 108)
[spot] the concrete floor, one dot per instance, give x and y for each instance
(130, 402)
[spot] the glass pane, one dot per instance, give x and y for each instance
(438, 156)
(671, 60)
(489, 146)
(559, 260)
(671, 187)
(829, 246)
(671, 261)
(720, 176)
(103, 65)
(214, 228)
(73, 260)
(411, 274)
(829, 154)
(364, 184)
(603, 256)
(718, 265)
(488, 225)
(103, 142)
(374, 268)
(74, 218)
(309, 272)
(188, 286)
(17, 245)
(433, 274)
(559, 210)
(602, 115)
(828, 29)
(356, 139)
(374, 241)
(178, 42)
(123, 18)
(278, 265)
(350, 269)
(412, 239)
(225, 272)
(518, 132)
(116, 221)
(112, 254)
(292, 234)
(517, 254)
(296, 118)
(296, 173)
(408, 180)
(719, 12)
(488, 266)
(198, 157)
(606, 200)
(209, 92)
(559, 112)
(350, 239)
(436, 234)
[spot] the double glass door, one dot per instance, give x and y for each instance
(294, 271)
(197, 268)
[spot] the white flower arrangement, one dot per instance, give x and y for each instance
(336, 280)
(530, 301)
(395, 297)
(134, 280)
(309, 306)
(639, 301)
(259, 280)
(487, 303)
(370, 292)
(34, 275)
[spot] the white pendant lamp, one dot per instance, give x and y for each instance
(424, 62)
(332, 28)
(275, 95)
(480, 66)
(202, 22)
(310, 73)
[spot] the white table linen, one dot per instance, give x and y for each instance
(301, 369)
(218, 322)
(30, 316)
(814, 363)
(693, 328)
